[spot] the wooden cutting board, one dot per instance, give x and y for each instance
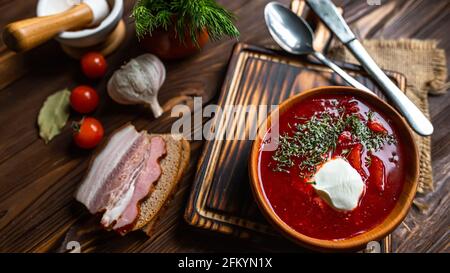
(221, 198)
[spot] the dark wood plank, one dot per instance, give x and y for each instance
(37, 210)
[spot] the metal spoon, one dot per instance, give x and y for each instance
(295, 36)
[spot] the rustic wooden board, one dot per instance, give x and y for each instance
(221, 198)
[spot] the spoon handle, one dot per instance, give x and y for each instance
(349, 79)
(408, 109)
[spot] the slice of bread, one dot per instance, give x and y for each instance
(173, 166)
(185, 156)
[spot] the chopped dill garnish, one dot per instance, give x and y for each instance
(315, 140)
(370, 139)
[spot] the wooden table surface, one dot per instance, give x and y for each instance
(37, 210)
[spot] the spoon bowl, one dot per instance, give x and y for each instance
(291, 32)
(294, 35)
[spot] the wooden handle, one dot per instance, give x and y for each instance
(26, 34)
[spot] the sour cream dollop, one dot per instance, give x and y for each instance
(339, 184)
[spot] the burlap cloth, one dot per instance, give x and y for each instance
(424, 66)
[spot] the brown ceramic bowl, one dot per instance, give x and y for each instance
(380, 231)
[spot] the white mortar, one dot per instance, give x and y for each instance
(89, 36)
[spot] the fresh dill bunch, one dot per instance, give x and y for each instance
(188, 17)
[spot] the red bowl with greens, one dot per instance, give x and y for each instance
(334, 168)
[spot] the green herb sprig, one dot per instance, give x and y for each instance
(188, 17)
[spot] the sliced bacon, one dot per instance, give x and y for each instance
(149, 175)
(106, 162)
(121, 175)
(118, 189)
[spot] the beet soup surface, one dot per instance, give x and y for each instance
(296, 202)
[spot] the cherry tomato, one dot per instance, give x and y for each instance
(376, 170)
(354, 157)
(84, 99)
(93, 65)
(87, 133)
(376, 126)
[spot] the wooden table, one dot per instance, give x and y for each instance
(37, 208)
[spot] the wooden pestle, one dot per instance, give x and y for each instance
(26, 34)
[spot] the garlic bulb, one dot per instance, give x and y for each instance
(138, 82)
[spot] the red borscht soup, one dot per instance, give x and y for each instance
(320, 129)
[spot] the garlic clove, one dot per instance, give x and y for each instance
(138, 82)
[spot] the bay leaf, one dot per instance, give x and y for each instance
(54, 115)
